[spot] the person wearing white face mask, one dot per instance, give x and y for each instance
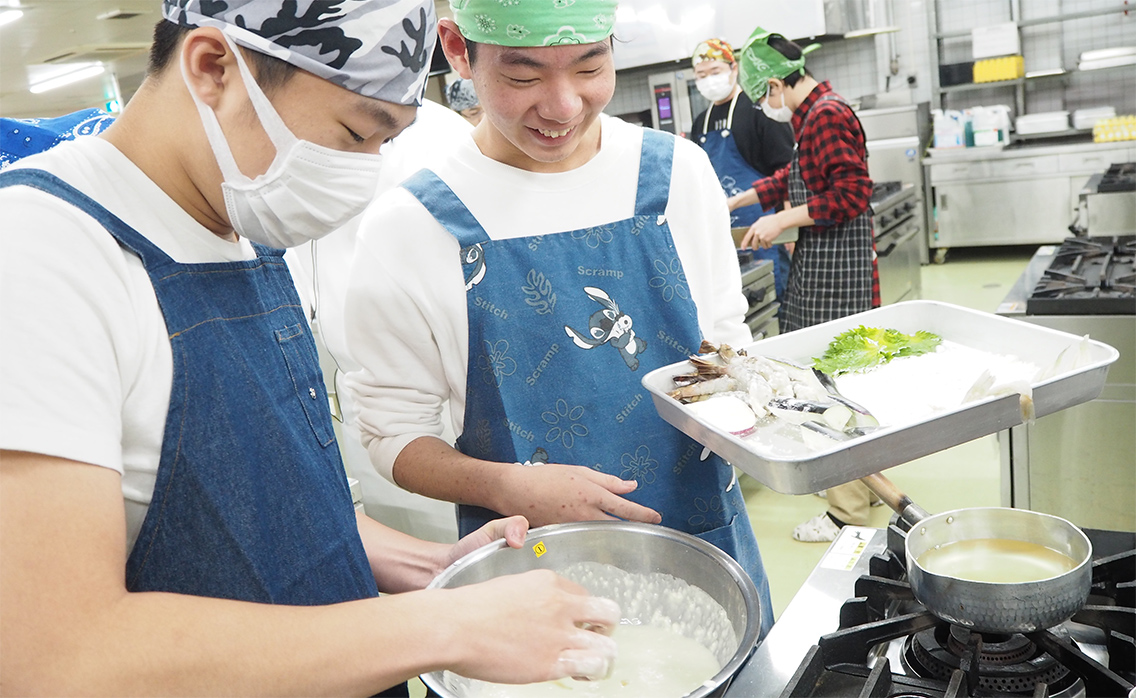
(828, 191)
(743, 144)
(174, 514)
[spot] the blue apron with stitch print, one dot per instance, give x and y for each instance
(251, 500)
(561, 329)
(736, 175)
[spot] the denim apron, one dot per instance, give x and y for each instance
(834, 268)
(251, 500)
(736, 175)
(561, 329)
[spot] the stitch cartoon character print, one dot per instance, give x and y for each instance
(473, 264)
(609, 325)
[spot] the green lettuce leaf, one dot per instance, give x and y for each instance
(866, 347)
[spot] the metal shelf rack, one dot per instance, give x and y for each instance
(940, 93)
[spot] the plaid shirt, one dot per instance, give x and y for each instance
(834, 162)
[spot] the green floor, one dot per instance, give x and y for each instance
(963, 476)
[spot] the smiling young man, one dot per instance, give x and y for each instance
(532, 280)
(174, 513)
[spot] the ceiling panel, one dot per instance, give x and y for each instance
(54, 28)
(71, 30)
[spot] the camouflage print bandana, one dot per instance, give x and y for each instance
(535, 22)
(759, 62)
(461, 95)
(376, 48)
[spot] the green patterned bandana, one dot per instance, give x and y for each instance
(758, 62)
(535, 22)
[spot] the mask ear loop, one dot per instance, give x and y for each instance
(280, 135)
(221, 151)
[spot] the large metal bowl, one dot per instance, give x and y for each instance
(632, 547)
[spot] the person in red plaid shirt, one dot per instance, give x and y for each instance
(827, 191)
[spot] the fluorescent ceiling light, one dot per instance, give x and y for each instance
(9, 16)
(83, 72)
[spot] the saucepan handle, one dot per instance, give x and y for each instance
(900, 503)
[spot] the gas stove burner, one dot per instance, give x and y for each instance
(995, 649)
(1006, 664)
(1088, 276)
(1119, 177)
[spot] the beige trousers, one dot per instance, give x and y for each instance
(849, 502)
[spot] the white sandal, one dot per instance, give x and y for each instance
(819, 529)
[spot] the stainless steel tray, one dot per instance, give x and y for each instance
(790, 467)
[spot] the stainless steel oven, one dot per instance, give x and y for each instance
(897, 215)
(758, 289)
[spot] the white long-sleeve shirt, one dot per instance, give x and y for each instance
(406, 319)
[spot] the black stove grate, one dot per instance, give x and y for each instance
(883, 190)
(940, 659)
(1088, 276)
(1120, 177)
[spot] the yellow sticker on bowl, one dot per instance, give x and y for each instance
(539, 549)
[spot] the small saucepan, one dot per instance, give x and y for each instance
(1060, 589)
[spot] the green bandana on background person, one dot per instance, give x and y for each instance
(535, 22)
(758, 62)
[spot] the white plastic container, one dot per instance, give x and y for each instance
(1107, 58)
(1045, 122)
(995, 40)
(949, 130)
(991, 125)
(1087, 118)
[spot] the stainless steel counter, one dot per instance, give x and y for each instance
(1079, 463)
(940, 155)
(813, 612)
(1013, 195)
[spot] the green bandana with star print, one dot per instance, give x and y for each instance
(535, 22)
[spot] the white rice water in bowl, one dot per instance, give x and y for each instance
(673, 638)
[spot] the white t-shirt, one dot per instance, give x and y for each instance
(321, 269)
(406, 318)
(85, 362)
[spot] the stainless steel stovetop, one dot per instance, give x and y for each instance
(813, 612)
(855, 629)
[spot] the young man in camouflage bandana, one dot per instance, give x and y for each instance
(532, 280)
(174, 514)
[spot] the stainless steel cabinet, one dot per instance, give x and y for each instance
(1026, 195)
(1079, 463)
(1012, 212)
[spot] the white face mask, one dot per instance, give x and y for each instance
(308, 190)
(715, 87)
(782, 113)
